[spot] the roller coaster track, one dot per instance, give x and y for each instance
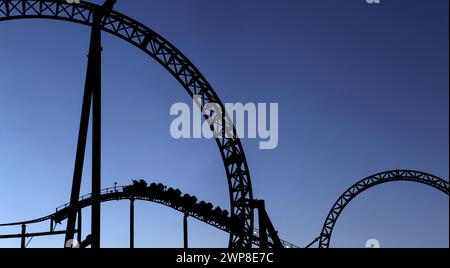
(240, 224)
(369, 182)
(120, 193)
(181, 68)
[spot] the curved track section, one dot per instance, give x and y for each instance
(160, 194)
(372, 181)
(181, 69)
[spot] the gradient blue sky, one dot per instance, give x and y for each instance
(361, 89)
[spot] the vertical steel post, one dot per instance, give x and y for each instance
(132, 223)
(264, 243)
(96, 53)
(92, 94)
(185, 230)
(22, 238)
(79, 232)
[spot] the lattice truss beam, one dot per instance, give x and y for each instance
(361, 186)
(180, 67)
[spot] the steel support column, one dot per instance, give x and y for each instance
(23, 236)
(185, 230)
(79, 221)
(264, 243)
(81, 149)
(92, 93)
(132, 223)
(95, 55)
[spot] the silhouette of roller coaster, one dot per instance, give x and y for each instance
(239, 222)
(372, 181)
(157, 193)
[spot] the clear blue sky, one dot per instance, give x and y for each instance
(361, 89)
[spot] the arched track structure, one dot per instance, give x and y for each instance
(182, 70)
(372, 181)
(172, 198)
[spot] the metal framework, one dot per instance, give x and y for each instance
(241, 223)
(118, 193)
(182, 70)
(369, 182)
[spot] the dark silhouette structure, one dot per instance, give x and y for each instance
(367, 183)
(92, 96)
(239, 222)
(157, 193)
(372, 181)
(181, 68)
